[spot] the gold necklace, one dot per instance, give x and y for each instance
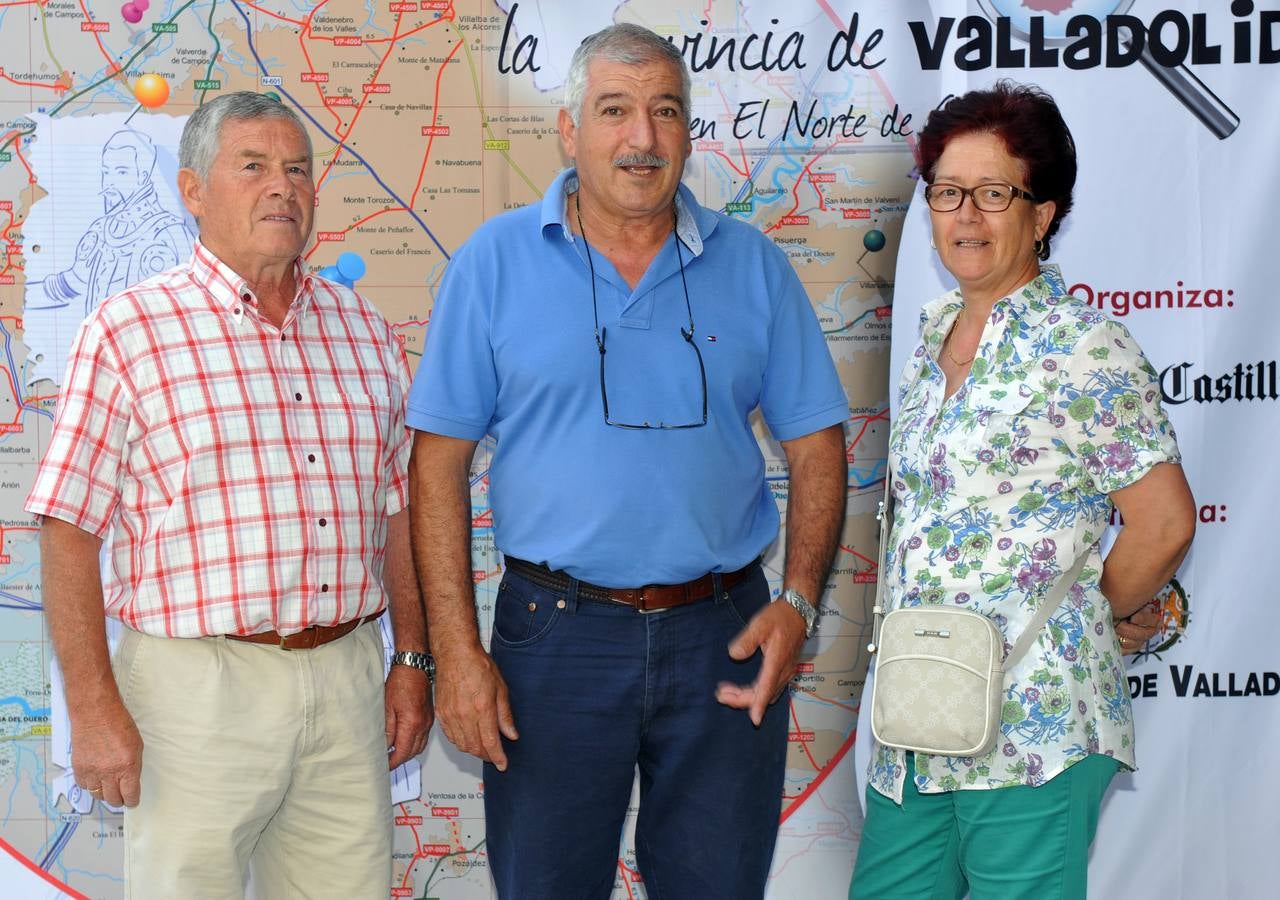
(947, 348)
(961, 363)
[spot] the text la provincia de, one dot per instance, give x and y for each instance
(972, 43)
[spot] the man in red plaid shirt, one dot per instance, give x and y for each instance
(230, 438)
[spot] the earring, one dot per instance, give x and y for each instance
(1038, 247)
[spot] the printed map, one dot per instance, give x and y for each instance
(427, 118)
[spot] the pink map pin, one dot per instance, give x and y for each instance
(132, 14)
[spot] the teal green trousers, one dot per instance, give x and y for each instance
(1016, 843)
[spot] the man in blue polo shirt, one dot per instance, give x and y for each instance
(614, 340)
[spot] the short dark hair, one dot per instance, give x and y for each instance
(1029, 123)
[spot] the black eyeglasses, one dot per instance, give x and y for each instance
(990, 196)
(601, 332)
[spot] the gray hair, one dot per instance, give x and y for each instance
(200, 136)
(627, 43)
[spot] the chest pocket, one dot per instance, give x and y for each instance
(1009, 427)
(359, 424)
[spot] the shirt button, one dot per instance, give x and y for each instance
(324, 522)
(298, 397)
(324, 588)
(311, 457)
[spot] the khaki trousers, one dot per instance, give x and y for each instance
(257, 760)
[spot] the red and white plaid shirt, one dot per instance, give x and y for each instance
(241, 475)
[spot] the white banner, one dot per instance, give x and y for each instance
(1170, 235)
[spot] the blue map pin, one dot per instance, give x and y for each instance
(350, 268)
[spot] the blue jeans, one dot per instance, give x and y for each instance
(600, 690)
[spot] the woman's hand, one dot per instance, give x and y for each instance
(1136, 629)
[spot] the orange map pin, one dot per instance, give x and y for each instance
(151, 90)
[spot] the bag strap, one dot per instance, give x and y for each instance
(884, 514)
(1052, 600)
(1048, 606)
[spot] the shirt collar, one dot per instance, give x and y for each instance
(1032, 302)
(694, 223)
(231, 291)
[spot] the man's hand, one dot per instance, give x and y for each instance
(407, 701)
(106, 748)
(106, 755)
(815, 511)
(472, 705)
(1137, 629)
(778, 631)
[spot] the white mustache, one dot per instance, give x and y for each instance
(641, 159)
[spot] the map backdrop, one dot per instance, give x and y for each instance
(430, 116)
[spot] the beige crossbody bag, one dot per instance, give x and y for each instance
(940, 670)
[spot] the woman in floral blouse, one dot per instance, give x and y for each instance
(1025, 415)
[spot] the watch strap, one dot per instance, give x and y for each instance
(423, 662)
(807, 610)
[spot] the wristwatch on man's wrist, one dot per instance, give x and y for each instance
(424, 662)
(807, 610)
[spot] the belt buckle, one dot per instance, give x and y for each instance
(643, 592)
(313, 631)
(640, 603)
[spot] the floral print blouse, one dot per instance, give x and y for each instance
(998, 490)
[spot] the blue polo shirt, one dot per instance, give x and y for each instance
(511, 352)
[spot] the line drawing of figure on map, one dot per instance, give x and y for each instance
(135, 237)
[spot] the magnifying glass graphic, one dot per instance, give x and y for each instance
(1180, 81)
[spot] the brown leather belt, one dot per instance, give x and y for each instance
(645, 599)
(307, 638)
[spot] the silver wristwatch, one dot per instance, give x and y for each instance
(807, 610)
(424, 662)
